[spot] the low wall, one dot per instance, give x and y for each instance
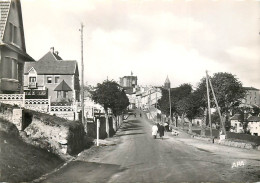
(55, 134)
(228, 142)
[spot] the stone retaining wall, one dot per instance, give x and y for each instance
(55, 134)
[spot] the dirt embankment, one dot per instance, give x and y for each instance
(21, 162)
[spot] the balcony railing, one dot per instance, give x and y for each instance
(32, 85)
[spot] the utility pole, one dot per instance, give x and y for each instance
(207, 81)
(170, 106)
(82, 79)
(219, 113)
(156, 102)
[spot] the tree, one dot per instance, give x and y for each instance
(229, 93)
(256, 111)
(110, 96)
(177, 94)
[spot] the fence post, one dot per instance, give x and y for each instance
(23, 105)
(49, 104)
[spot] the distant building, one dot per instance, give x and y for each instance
(12, 47)
(236, 124)
(128, 81)
(254, 125)
(252, 97)
(167, 83)
(197, 121)
(52, 76)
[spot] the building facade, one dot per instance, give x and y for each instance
(128, 81)
(52, 77)
(254, 125)
(12, 47)
(252, 96)
(236, 124)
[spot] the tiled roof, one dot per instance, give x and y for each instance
(63, 86)
(4, 11)
(250, 88)
(236, 117)
(50, 57)
(54, 67)
(27, 57)
(254, 119)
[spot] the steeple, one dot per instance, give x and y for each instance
(167, 83)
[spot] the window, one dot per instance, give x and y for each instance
(49, 80)
(10, 68)
(58, 94)
(65, 94)
(32, 79)
(57, 78)
(13, 33)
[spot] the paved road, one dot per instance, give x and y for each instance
(134, 156)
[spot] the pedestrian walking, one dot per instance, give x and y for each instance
(161, 131)
(154, 131)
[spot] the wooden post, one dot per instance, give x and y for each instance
(23, 105)
(216, 102)
(49, 104)
(209, 111)
(171, 108)
(98, 125)
(82, 81)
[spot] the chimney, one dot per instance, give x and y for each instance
(56, 52)
(52, 50)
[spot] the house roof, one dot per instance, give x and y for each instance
(51, 63)
(254, 119)
(236, 117)
(57, 67)
(129, 90)
(4, 13)
(4, 7)
(50, 56)
(63, 86)
(27, 57)
(250, 88)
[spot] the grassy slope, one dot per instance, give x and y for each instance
(21, 162)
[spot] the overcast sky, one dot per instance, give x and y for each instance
(151, 38)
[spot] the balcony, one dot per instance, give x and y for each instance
(32, 85)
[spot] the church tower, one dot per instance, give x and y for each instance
(167, 83)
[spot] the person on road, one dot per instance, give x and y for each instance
(154, 131)
(161, 131)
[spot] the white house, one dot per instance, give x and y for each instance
(197, 121)
(254, 125)
(236, 124)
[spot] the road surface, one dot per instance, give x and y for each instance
(134, 156)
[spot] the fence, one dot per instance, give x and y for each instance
(70, 111)
(40, 105)
(13, 99)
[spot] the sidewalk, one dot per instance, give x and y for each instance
(226, 142)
